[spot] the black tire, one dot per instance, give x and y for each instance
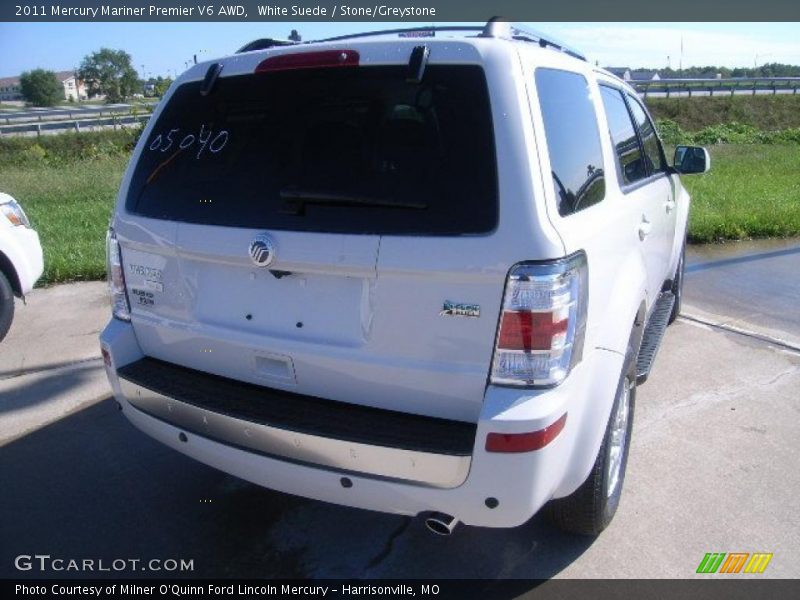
(6, 305)
(590, 508)
(677, 286)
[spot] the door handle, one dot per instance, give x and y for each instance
(645, 227)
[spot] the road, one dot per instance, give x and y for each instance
(713, 466)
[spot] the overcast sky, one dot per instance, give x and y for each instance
(165, 48)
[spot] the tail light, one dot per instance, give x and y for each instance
(542, 324)
(116, 278)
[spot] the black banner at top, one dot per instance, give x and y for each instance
(425, 11)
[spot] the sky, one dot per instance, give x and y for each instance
(166, 48)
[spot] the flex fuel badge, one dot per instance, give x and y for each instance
(143, 297)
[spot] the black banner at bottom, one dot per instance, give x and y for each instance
(445, 589)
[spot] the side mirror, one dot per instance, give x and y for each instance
(691, 159)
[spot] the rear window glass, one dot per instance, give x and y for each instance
(347, 150)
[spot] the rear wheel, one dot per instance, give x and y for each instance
(590, 508)
(6, 305)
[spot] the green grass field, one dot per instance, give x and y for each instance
(752, 191)
(70, 207)
(767, 113)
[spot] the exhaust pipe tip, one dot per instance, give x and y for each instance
(440, 523)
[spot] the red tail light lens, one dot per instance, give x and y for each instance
(525, 442)
(531, 331)
(542, 326)
(309, 60)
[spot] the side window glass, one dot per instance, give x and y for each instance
(623, 136)
(652, 147)
(573, 139)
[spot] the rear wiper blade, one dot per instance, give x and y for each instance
(297, 199)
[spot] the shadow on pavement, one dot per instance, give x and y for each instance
(25, 392)
(12, 373)
(92, 486)
(723, 262)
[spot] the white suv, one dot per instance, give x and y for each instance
(419, 272)
(21, 262)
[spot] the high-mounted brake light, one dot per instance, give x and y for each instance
(543, 322)
(309, 60)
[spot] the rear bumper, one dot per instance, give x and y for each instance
(521, 483)
(302, 429)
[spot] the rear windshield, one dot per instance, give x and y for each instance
(345, 150)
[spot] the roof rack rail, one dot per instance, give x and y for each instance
(264, 43)
(496, 27)
(431, 29)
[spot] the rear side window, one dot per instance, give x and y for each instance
(573, 140)
(347, 150)
(650, 143)
(623, 136)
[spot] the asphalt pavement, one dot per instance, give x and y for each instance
(713, 464)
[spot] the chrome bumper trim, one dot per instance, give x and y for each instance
(435, 470)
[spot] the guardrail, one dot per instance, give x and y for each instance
(71, 114)
(40, 128)
(733, 85)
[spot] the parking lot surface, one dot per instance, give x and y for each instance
(713, 465)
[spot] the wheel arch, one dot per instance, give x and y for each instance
(598, 406)
(7, 268)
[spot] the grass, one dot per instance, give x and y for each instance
(752, 191)
(70, 207)
(767, 113)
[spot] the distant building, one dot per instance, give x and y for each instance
(10, 88)
(643, 75)
(634, 75)
(621, 72)
(73, 87)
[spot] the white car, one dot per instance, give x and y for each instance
(411, 272)
(21, 262)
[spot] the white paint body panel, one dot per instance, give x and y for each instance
(21, 246)
(369, 306)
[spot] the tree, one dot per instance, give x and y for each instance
(109, 72)
(162, 85)
(41, 88)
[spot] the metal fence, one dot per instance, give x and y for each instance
(71, 114)
(712, 87)
(59, 121)
(60, 126)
